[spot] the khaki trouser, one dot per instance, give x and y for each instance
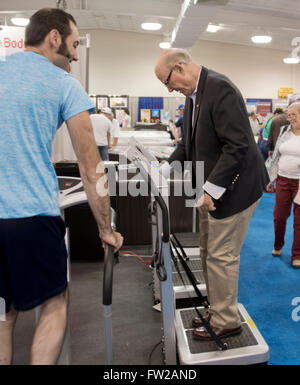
(221, 241)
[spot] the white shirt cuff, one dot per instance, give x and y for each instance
(215, 191)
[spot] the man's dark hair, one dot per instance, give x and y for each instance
(278, 111)
(43, 21)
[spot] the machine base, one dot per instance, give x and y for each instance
(247, 348)
(185, 289)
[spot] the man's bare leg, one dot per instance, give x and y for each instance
(6, 337)
(50, 331)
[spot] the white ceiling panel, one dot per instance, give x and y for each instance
(239, 19)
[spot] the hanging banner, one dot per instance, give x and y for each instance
(283, 93)
(11, 40)
(263, 106)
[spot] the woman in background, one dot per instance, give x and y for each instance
(284, 167)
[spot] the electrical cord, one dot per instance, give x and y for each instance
(130, 253)
(152, 351)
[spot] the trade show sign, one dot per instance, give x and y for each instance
(11, 40)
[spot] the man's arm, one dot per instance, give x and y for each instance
(115, 142)
(230, 123)
(108, 138)
(233, 131)
(93, 175)
(115, 133)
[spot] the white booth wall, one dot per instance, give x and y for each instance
(123, 63)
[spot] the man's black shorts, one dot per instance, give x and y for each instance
(33, 260)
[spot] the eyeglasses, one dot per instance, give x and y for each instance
(166, 83)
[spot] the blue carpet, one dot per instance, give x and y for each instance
(268, 285)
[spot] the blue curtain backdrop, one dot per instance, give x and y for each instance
(149, 103)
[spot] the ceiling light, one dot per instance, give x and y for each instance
(212, 28)
(291, 60)
(151, 26)
(21, 21)
(261, 39)
(165, 45)
(166, 41)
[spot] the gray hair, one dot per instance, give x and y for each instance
(296, 105)
(177, 55)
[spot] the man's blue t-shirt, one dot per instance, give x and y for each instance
(36, 97)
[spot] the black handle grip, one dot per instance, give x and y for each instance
(165, 218)
(108, 275)
(165, 214)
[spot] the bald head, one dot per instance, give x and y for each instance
(177, 71)
(170, 57)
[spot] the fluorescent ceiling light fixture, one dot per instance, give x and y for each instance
(291, 60)
(166, 41)
(20, 21)
(151, 26)
(165, 44)
(261, 39)
(212, 28)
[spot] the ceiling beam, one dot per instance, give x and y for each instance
(193, 20)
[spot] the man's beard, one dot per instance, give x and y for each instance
(63, 50)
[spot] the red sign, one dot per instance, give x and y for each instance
(7, 42)
(264, 108)
(11, 40)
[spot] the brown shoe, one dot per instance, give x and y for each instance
(202, 335)
(276, 253)
(197, 323)
(296, 263)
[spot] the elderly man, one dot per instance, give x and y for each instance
(216, 131)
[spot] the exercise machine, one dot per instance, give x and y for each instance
(248, 347)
